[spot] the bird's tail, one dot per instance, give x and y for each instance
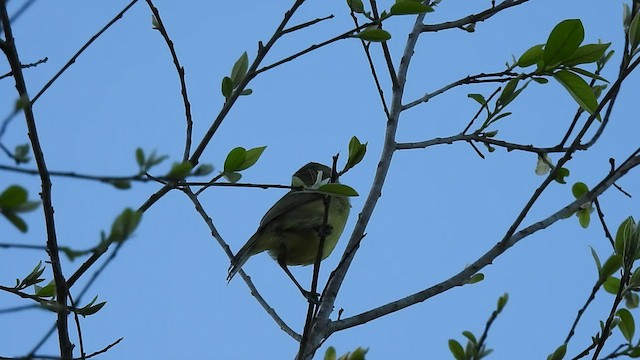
(242, 256)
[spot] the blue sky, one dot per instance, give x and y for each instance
(440, 209)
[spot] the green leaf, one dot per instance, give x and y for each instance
(12, 197)
(561, 174)
(631, 300)
(596, 259)
(235, 159)
(179, 171)
(330, 354)
(232, 177)
(634, 281)
(155, 24)
(634, 352)
(469, 335)
(456, 350)
(559, 353)
(251, 157)
(336, 189)
(586, 54)
(33, 277)
(475, 278)
(478, 97)
(227, 87)
(502, 301)
(634, 31)
(90, 308)
(531, 56)
(47, 291)
(357, 7)
(611, 285)
(357, 151)
(121, 184)
(626, 325)
(625, 231)
(21, 153)
(202, 170)
(613, 264)
(409, 8)
(140, 157)
(16, 220)
(358, 354)
(563, 41)
(584, 218)
(508, 93)
(239, 70)
(588, 74)
(246, 92)
(124, 225)
(581, 92)
(374, 35)
(579, 189)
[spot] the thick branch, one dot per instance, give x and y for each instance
(62, 292)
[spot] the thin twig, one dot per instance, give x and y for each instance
(183, 84)
(82, 49)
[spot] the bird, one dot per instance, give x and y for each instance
(290, 231)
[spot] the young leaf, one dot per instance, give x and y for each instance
(374, 35)
(357, 7)
(179, 171)
(124, 225)
(12, 197)
(16, 220)
(202, 170)
(627, 324)
(232, 177)
(140, 157)
(478, 97)
(21, 153)
(611, 285)
(335, 189)
(457, 350)
(586, 54)
(251, 157)
(91, 309)
(625, 231)
(235, 159)
(559, 353)
(121, 184)
(357, 151)
(475, 278)
(502, 301)
(613, 264)
(227, 87)
(634, 31)
(469, 335)
(330, 354)
(563, 41)
(531, 56)
(409, 8)
(584, 217)
(581, 92)
(240, 69)
(561, 174)
(508, 93)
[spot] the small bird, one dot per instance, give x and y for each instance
(290, 230)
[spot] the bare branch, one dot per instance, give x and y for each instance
(463, 276)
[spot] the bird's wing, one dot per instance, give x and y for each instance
(289, 203)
